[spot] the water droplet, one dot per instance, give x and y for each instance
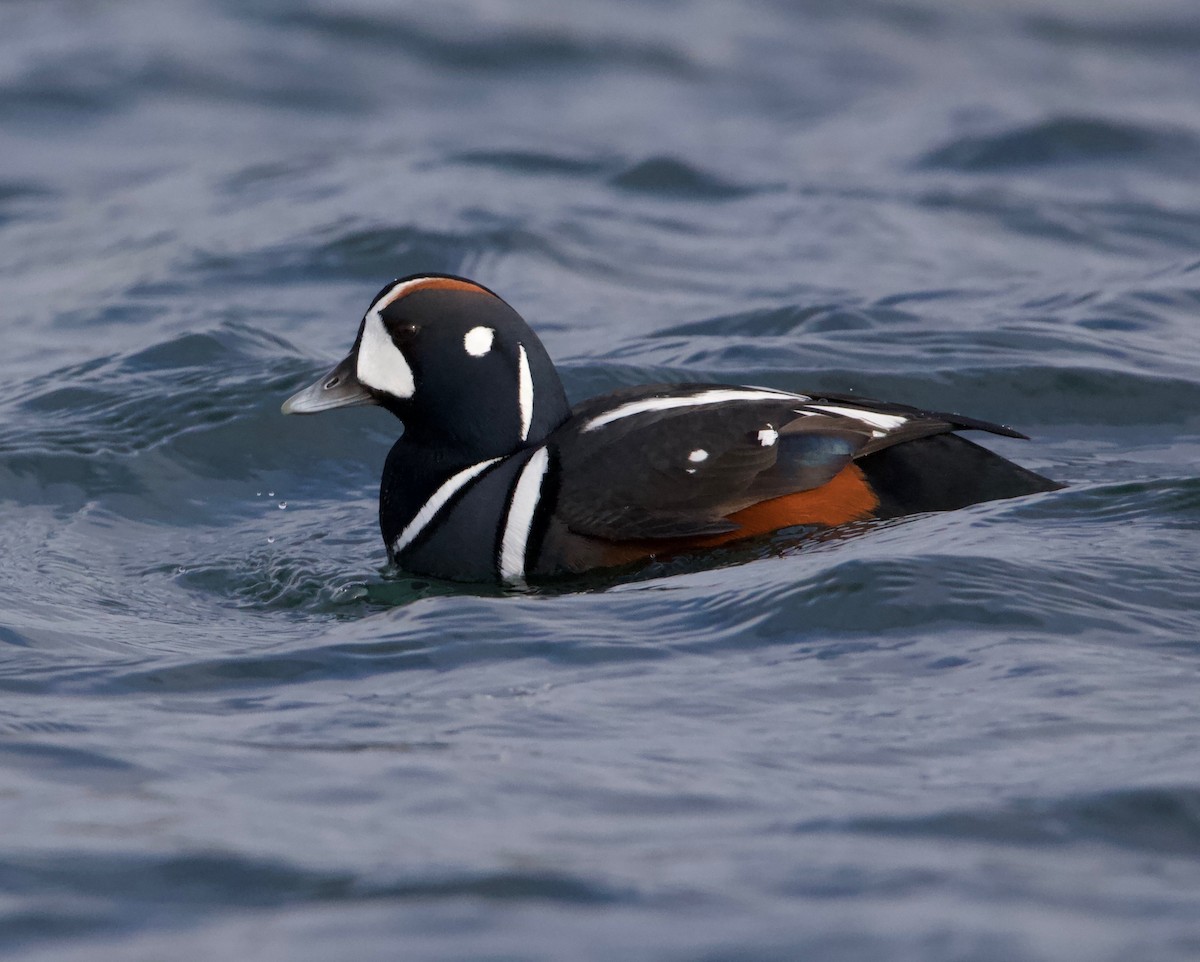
(258, 494)
(282, 505)
(270, 539)
(270, 494)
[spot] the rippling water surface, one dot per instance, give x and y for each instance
(227, 730)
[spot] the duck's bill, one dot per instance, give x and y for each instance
(337, 389)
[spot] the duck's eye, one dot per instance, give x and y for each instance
(403, 330)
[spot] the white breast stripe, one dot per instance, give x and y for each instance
(886, 422)
(524, 391)
(436, 502)
(716, 396)
(526, 496)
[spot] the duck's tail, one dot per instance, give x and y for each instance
(944, 472)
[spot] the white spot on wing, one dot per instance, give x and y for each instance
(524, 391)
(520, 516)
(768, 436)
(436, 502)
(381, 365)
(715, 396)
(478, 341)
(885, 422)
(698, 455)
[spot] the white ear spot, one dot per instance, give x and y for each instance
(381, 365)
(768, 436)
(478, 341)
(698, 455)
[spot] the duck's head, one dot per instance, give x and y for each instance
(453, 361)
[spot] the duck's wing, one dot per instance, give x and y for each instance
(675, 461)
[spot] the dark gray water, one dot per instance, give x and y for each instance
(228, 731)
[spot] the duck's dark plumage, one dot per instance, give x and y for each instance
(495, 477)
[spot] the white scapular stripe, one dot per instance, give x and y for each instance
(526, 496)
(886, 422)
(524, 391)
(436, 502)
(715, 396)
(381, 364)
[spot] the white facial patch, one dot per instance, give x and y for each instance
(381, 365)
(478, 341)
(698, 455)
(768, 436)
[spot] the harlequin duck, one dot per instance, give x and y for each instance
(497, 477)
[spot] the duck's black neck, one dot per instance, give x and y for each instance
(503, 402)
(421, 463)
